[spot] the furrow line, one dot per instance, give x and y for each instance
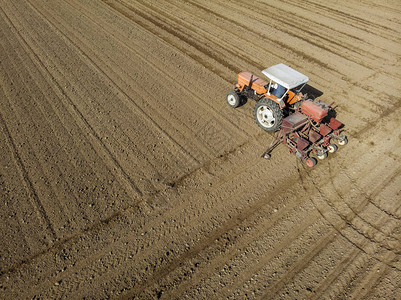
(113, 83)
(389, 259)
(369, 282)
(125, 97)
(289, 238)
(299, 266)
(347, 219)
(203, 217)
(390, 179)
(368, 199)
(79, 116)
(28, 183)
(196, 35)
(345, 17)
(292, 31)
(335, 273)
(44, 147)
(160, 71)
(259, 228)
(134, 156)
(175, 34)
(234, 222)
(282, 45)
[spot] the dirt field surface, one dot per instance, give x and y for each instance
(125, 174)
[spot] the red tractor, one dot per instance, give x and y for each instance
(307, 127)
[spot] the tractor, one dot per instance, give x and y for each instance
(306, 126)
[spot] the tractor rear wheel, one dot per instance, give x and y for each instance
(233, 99)
(268, 115)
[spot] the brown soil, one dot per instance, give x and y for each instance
(125, 174)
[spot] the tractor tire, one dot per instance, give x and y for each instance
(343, 141)
(321, 156)
(332, 148)
(311, 162)
(268, 115)
(233, 99)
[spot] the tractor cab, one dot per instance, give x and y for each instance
(284, 81)
(273, 97)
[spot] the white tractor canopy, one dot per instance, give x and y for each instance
(285, 76)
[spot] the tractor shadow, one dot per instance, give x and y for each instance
(313, 93)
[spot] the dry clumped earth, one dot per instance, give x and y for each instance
(125, 174)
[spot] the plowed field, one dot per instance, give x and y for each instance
(124, 173)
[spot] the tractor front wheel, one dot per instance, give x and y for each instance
(268, 115)
(233, 99)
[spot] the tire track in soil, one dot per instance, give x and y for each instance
(18, 223)
(345, 17)
(172, 81)
(78, 114)
(314, 38)
(127, 123)
(296, 268)
(335, 273)
(387, 260)
(281, 44)
(226, 229)
(350, 275)
(371, 200)
(37, 203)
(349, 218)
(70, 163)
(369, 282)
(52, 79)
(44, 149)
(113, 83)
(368, 198)
(174, 33)
(300, 20)
(178, 26)
(60, 92)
